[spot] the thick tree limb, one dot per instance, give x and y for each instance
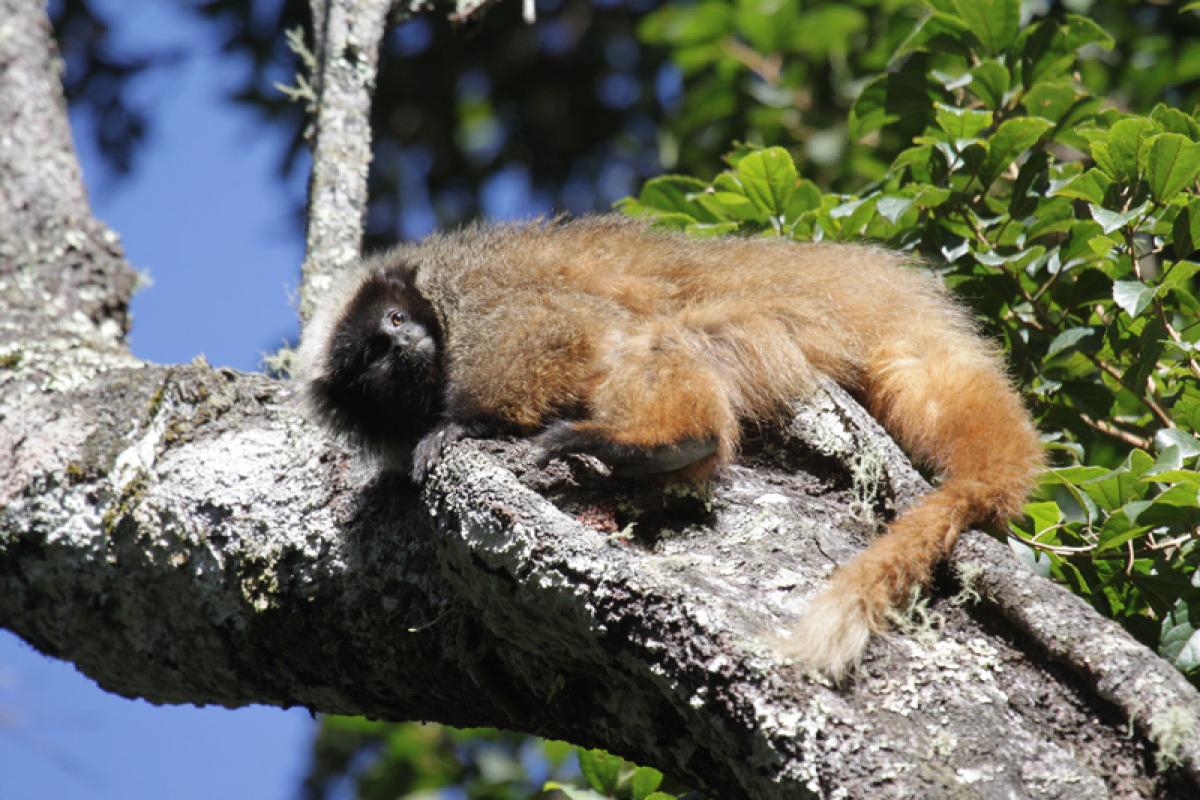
(183, 534)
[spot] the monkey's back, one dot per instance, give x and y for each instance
(770, 313)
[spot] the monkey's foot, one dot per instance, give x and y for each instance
(625, 460)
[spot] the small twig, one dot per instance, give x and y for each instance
(1110, 429)
(1147, 397)
(1175, 542)
(1193, 366)
(468, 9)
(768, 68)
(1057, 549)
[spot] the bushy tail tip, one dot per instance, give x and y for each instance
(832, 634)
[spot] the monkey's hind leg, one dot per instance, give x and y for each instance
(625, 460)
(657, 409)
(943, 395)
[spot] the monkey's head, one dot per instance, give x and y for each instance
(372, 362)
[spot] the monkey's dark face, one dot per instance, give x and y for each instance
(381, 385)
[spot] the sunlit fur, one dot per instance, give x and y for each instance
(646, 339)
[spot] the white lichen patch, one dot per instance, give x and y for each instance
(978, 773)
(760, 524)
(506, 548)
(968, 574)
(965, 672)
(942, 742)
(137, 461)
(1172, 729)
(867, 472)
(817, 423)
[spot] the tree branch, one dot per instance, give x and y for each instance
(347, 50)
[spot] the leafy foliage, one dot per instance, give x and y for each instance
(789, 74)
(381, 761)
(610, 777)
(1070, 227)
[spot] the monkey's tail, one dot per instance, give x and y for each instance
(942, 393)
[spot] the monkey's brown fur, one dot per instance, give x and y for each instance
(650, 339)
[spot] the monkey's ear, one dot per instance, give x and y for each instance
(396, 264)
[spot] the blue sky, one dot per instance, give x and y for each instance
(204, 216)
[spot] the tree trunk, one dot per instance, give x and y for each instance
(185, 535)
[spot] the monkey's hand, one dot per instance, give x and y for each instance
(626, 461)
(429, 451)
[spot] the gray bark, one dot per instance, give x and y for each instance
(183, 534)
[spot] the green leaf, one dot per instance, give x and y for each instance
(1190, 7)
(1179, 637)
(823, 31)
(769, 179)
(994, 23)
(1117, 531)
(674, 193)
(1013, 137)
(729, 205)
(1090, 186)
(931, 196)
(1186, 229)
(1081, 31)
(1045, 53)
(806, 198)
(1060, 101)
(1043, 516)
(1172, 120)
(644, 781)
(1179, 496)
(1113, 220)
(891, 207)
(989, 82)
(687, 24)
(711, 229)
(1181, 273)
(601, 770)
(1186, 411)
(1128, 142)
(961, 123)
(1067, 339)
(1170, 460)
(573, 792)
(1104, 159)
(937, 31)
(1121, 485)
(1132, 296)
(1171, 164)
(1173, 437)
(1188, 476)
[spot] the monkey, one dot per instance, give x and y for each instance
(653, 351)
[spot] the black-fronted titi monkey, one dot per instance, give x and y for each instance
(651, 351)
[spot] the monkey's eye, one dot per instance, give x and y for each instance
(397, 318)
